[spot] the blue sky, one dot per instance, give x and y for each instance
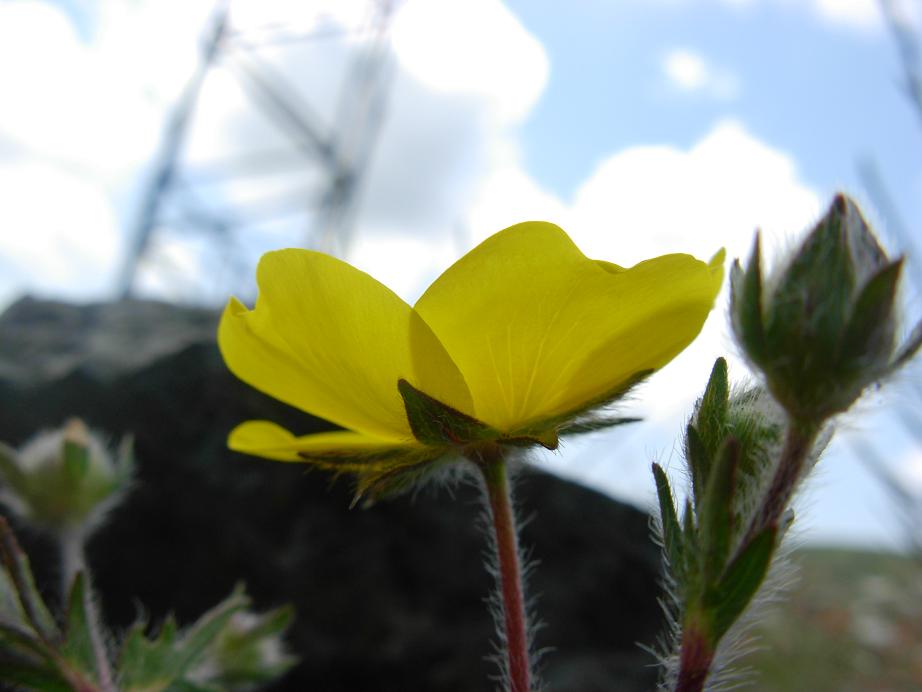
(641, 126)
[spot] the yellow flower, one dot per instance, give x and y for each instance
(517, 340)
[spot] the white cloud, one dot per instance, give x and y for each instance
(685, 69)
(688, 71)
(650, 200)
(862, 14)
(476, 47)
(58, 234)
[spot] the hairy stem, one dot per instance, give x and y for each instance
(510, 573)
(798, 444)
(695, 660)
(73, 560)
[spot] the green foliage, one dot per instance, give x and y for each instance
(228, 648)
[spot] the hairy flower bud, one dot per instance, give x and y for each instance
(63, 479)
(826, 327)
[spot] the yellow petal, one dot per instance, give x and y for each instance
(539, 330)
(332, 341)
(265, 439)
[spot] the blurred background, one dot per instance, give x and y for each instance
(156, 149)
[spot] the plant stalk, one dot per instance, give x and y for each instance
(510, 573)
(798, 444)
(695, 661)
(73, 560)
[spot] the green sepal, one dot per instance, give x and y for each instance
(716, 520)
(742, 579)
(76, 461)
(672, 532)
(438, 424)
(378, 474)
(595, 424)
(909, 348)
(78, 642)
(813, 296)
(746, 303)
(868, 338)
(545, 430)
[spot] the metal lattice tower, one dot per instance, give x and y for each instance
(338, 147)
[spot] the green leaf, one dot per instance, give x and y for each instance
(27, 677)
(196, 640)
(148, 664)
(78, 640)
(24, 645)
(699, 462)
(711, 417)
(716, 512)
(162, 662)
(435, 423)
(672, 533)
(16, 562)
(744, 576)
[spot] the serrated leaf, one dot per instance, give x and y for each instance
(672, 533)
(148, 664)
(37, 665)
(716, 512)
(78, 639)
(742, 579)
(435, 423)
(196, 640)
(162, 662)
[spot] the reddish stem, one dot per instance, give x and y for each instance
(695, 661)
(798, 444)
(507, 549)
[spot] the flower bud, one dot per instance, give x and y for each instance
(64, 479)
(825, 327)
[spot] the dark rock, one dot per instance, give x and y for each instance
(387, 598)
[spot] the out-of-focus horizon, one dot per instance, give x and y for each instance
(158, 148)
